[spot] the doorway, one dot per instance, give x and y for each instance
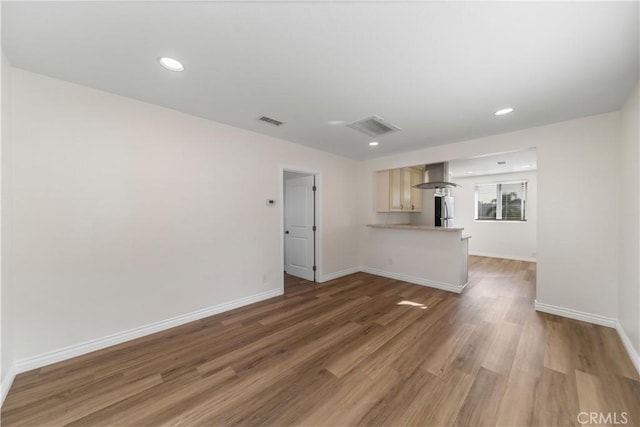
(299, 221)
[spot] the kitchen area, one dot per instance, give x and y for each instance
(429, 249)
(424, 217)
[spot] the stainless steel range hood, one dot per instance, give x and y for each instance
(436, 175)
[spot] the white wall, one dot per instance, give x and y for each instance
(512, 240)
(127, 213)
(3, 140)
(7, 371)
(629, 222)
(6, 344)
(577, 256)
(431, 258)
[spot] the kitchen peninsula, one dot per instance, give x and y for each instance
(424, 255)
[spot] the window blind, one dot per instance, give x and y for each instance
(501, 201)
(486, 201)
(513, 200)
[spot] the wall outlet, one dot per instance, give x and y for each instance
(390, 261)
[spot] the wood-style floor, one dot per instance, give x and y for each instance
(359, 350)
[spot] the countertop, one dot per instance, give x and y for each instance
(415, 227)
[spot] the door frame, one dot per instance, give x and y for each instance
(317, 212)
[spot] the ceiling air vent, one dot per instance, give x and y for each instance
(373, 126)
(271, 121)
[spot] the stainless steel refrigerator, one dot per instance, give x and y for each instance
(444, 211)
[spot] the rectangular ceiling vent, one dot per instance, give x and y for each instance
(373, 126)
(271, 121)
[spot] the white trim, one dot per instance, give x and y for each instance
(633, 354)
(44, 359)
(416, 280)
(338, 274)
(513, 257)
(596, 319)
(7, 382)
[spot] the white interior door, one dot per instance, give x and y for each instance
(299, 242)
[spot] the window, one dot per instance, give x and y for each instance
(505, 201)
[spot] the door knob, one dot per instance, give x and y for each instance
(286, 232)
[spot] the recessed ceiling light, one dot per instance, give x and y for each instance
(373, 143)
(526, 166)
(171, 64)
(336, 122)
(503, 111)
(469, 171)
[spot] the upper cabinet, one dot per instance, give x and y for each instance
(416, 193)
(395, 192)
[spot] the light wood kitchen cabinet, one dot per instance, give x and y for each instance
(395, 192)
(395, 195)
(417, 177)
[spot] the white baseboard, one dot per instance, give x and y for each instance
(7, 381)
(503, 256)
(338, 274)
(596, 319)
(38, 361)
(631, 351)
(416, 280)
(405, 278)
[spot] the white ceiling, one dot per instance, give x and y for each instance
(515, 161)
(438, 70)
